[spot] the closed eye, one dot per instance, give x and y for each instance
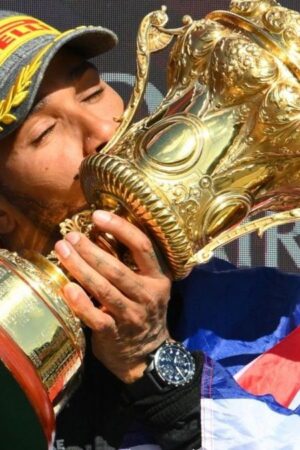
(94, 95)
(44, 133)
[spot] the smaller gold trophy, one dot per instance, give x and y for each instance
(41, 350)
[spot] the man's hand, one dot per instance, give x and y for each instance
(128, 315)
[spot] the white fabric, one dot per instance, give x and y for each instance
(247, 424)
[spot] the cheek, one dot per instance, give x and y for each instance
(45, 176)
(58, 173)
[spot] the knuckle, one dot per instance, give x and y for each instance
(137, 318)
(103, 291)
(165, 294)
(116, 274)
(119, 304)
(149, 299)
(163, 301)
(157, 295)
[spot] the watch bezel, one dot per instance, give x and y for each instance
(189, 372)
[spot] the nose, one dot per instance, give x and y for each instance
(97, 131)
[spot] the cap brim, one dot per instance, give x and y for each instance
(87, 41)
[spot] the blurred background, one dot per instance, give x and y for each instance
(278, 247)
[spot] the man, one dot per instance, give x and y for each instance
(54, 111)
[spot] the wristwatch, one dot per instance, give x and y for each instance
(170, 366)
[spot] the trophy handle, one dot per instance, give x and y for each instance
(259, 225)
(149, 40)
(152, 37)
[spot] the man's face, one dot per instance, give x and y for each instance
(73, 117)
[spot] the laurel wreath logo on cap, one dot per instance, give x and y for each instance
(19, 91)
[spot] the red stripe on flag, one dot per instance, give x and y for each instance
(276, 372)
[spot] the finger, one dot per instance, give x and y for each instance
(108, 266)
(84, 309)
(133, 238)
(93, 282)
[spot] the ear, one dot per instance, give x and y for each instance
(8, 220)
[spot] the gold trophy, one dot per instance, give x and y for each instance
(222, 145)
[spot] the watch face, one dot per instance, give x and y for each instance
(174, 364)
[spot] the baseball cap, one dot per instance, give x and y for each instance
(27, 45)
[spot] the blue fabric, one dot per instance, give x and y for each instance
(234, 315)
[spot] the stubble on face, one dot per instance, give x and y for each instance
(45, 215)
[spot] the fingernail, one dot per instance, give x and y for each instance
(71, 291)
(102, 216)
(62, 249)
(73, 237)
